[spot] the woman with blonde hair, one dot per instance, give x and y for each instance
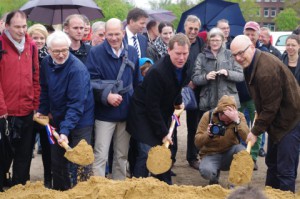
(39, 34)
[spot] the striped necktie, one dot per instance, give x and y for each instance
(136, 46)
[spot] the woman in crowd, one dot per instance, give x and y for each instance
(216, 72)
(39, 34)
(291, 57)
(159, 47)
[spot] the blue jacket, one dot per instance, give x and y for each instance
(103, 64)
(66, 94)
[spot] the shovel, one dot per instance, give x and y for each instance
(82, 154)
(159, 157)
(241, 168)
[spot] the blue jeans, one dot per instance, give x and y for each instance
(282, 160)
(140, 168)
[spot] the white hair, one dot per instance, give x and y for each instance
(58, 36)
(98, 25)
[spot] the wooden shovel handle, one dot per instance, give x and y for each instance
(44, 120)
(249, 145)
(177, 112)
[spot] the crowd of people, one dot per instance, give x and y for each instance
(117, 89)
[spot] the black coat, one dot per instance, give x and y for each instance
(153, 103)
(285, 60)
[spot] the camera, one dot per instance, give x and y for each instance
(218, 129)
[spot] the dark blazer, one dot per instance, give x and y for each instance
(285, 60)
(142, 41)
(153, 103)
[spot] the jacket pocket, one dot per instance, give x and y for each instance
(205, 97)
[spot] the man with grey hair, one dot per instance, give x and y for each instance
(223, 24)
(66, 95)
(114, 74)
(98, 33)
(74, 27)
(264, 37)
(192, 26)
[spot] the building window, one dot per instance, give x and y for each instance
(271, 26)
(266, 12)
(274, 0)
(258, 0)
(273, 12)
(258, 13)
(267, 0)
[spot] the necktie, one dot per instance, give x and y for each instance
(136, 45)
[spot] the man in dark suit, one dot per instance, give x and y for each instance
(136, 22)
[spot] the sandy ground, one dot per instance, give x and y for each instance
(185, 174)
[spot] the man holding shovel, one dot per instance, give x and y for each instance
(218, 138)
(276, 95)
(153, 103)
(67, 96)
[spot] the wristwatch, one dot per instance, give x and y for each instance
(238, 121)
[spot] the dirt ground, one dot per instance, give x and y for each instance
(185, 174)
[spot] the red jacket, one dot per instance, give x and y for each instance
(19, 78)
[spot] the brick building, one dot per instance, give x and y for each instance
(269, 9)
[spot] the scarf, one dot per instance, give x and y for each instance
(20, 46)
(161, 47)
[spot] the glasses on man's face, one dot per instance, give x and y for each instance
(193, 29)
(63, 51)
(240, 53)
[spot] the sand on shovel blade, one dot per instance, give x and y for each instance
(241, 168)
(159, 160)
(82, 154)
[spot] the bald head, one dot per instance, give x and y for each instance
(114, 33)
(242, 50)
(240, 40)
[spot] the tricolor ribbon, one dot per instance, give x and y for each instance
(176, 118)
(50, 130)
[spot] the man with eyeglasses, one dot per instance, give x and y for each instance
(223, 24)
(192, 26)
(74, 27)
(252, 31)
(66, 95)
(276, 95)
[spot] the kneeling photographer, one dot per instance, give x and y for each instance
(218, 138)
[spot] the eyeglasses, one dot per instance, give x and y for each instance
(240, 53)
(195, 29)
(63, 51)
(215, 41)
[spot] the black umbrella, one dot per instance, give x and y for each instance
(53, 12)
(210, 11)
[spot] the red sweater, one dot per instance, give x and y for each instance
(19, 78)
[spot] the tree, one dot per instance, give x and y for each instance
(114, 8)
(294, 4)
(177, 8)
(10, 5)
(287, 20)
(249, 8)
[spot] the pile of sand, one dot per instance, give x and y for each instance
(98, 187)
